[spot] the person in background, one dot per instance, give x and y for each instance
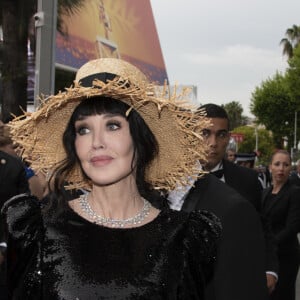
(13, 181)
(113, 137)
(246, 160)
(241, 263)
(263, 175)
(295, 175)
(282, 206)
(230, 154)
(37, 182)
(243, 180)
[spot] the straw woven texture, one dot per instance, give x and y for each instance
(174, 125)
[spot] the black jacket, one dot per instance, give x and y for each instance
(245, 182)
(295, 179)
(284, 213)
(13, 179)
(240, 267)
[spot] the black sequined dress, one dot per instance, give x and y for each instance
(71, 258)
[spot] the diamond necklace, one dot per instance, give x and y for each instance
(117, 223)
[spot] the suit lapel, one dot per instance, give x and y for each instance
(276, 199)
(192, 198)
(227, 171)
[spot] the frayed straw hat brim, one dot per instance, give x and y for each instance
(175, 126)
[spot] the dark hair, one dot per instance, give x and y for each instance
(215, 111)
(145, 143)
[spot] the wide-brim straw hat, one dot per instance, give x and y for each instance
(171, 118)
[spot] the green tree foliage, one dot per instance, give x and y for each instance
(67, 8)
(276, 100)
(265, 142)
(293, 85)
(291, 41)
(235, 110)
(273, 106)
(293, 78)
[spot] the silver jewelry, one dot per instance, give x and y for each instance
(117, 223)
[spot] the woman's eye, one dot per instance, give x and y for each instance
(113, 125)
(82, 130)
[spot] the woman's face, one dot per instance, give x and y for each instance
(280, 167)
(105, 148)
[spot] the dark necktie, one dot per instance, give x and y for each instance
(219, 173)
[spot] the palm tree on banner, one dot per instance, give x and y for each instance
(291, 41)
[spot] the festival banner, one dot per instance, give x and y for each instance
(120, 28)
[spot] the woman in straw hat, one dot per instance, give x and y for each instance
(112, 136)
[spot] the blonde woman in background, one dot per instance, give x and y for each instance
(281, 204)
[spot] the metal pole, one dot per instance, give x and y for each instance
(256, 145)
(295, 132)
(45, 23)
(256, 139)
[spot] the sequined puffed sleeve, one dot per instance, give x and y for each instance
(201, 242)
(24, 234)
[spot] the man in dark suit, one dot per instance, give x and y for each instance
(240, 266)
(239, 269)
(241, 262)
(243, 180)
